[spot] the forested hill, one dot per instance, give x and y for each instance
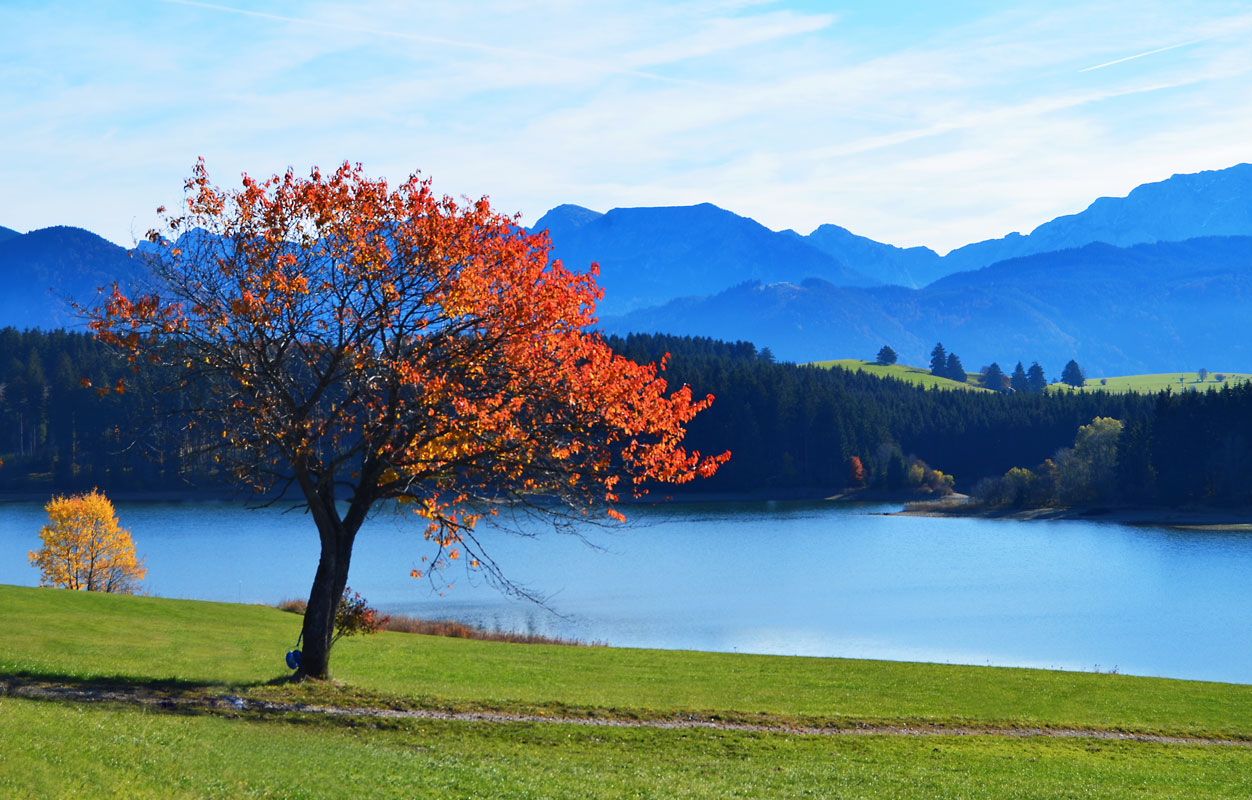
(790, 428)
(799, 426)
(58, 435)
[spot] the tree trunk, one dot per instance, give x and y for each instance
(328, 585)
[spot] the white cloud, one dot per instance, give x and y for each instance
(912, 135)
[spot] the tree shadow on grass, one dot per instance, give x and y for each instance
(175, 695)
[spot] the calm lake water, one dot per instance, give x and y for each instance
(787, 578)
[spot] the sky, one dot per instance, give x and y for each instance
(920, 123)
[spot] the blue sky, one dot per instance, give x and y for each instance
(913, 123)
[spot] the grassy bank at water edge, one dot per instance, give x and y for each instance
(195, 653)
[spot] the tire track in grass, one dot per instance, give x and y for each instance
(234, 704)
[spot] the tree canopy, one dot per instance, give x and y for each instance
(85, 548)
(955, 370)
(1019, 382)
(360, 342)
(1038, 381)
(993, 377)
(886, 355)
(1073, 375)
(939, 361)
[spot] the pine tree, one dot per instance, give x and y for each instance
(1073, 375)
(954, 369)
(1019, 382)
(1038, 382)
(993, 377)
(939, 361)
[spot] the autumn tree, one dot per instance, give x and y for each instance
(359, 343)
(1088, 471)
(856, 471)
(85, 548)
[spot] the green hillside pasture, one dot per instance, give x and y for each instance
(1144, 384)
(87, 637)
(1151, 384)
(902, 372)
(56, 750)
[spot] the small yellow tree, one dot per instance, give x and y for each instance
(85, 548)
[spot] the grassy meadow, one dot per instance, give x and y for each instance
(57, 748)
(1144, 384)
(1153, 383)
(919, 375)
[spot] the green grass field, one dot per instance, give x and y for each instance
(918, 375)
(1151, 384)
(1190, 381)
(55, 748)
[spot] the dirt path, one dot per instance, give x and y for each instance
(173, 701)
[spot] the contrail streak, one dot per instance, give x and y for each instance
(1141, 55)
(417, 37)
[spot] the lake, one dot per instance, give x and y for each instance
(813, 579)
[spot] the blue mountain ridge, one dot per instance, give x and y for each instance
(668, 252)
(1146, 308)
(1210, 203)
(702, 269)
(651, 255)
(912, 266)
(42, 271)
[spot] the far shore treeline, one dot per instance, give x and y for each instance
(791, 429)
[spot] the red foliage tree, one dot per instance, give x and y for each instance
(856, 471)
(364, 343)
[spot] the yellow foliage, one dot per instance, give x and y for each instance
(85, 548)
(917, 473)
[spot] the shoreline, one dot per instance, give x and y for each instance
(1235, 520)
(144, 496)
(956, 505)
(216, 495)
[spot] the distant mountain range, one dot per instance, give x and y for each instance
(42, 270)
(1212, 203)
(670, 252)
(1154, 281)
(913, 267)
(1147, 308)
(649, 256)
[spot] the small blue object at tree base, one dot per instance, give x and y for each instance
(293, 656)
